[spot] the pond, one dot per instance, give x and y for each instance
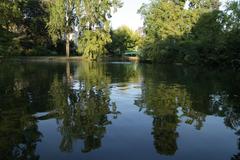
(116, 110)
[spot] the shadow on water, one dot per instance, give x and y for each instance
(78, 97)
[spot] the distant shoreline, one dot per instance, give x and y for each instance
(44, 58)
(64, 58)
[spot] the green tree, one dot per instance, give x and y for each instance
(63, 17)
(95, 27)
(231, 23)
(124, 39)
(22, 27)
(92, 43)
(10, 14)
(165, 22)
(207, 4)
(192, 32)
(90, 17)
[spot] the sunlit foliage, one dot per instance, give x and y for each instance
(191, 32)
(124, 39)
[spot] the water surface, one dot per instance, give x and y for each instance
(82, 110)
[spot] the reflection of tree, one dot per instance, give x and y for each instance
(161, 101)
(168, 103)
(223, 106)
(128, 72)
(237, 156)
(93, 75)
(188, 95)
(83, 111)
(22, 94)
(18, 131)
(18, 136)
(81, 103)
(165, 134)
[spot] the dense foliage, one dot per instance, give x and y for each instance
(89, 18)
(184, 31)
(30, 27)
(124, 39)
(193, 32)
(22, 27)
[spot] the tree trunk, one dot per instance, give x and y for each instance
(67, 45)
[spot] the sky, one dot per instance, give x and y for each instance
(127, 15)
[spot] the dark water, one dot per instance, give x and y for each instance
(117, 111)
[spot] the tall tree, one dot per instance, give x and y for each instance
(164, 23)
(172, 30)
(95, 26)
(63, 17)
(86, 15)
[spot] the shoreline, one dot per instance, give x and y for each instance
(43, 58)
(64, 58)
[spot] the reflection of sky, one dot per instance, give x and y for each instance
(127, 15)
(212, 140)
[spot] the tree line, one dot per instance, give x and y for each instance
(58, 27)
(30, 27)
(174, 31)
